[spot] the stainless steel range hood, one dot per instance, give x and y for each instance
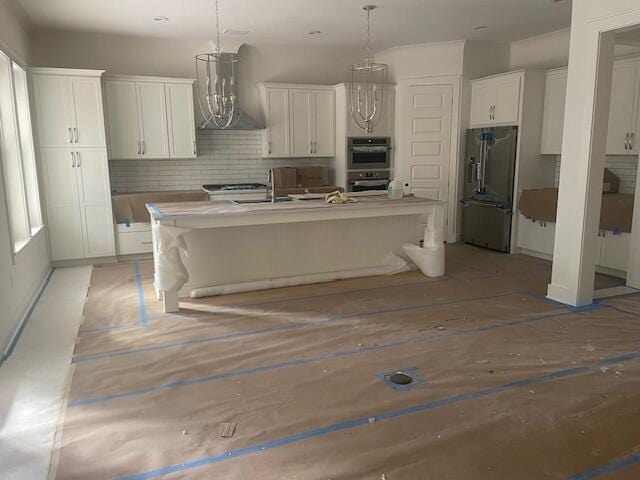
(241, 121)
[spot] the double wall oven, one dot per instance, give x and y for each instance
(368, 163)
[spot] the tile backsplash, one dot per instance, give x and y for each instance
(224, 156)
(625, 167)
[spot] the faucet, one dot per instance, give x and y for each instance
(271, 180)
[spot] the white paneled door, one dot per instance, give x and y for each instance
(122, 115)
(86, 95)
(301, 108)
(427, 139)
(54, 113)
(152, 115)
(277, 115)
(182, 130)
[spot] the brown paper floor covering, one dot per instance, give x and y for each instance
(508, 385)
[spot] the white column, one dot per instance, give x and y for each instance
(582, 164)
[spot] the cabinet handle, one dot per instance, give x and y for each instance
(626, 142)
(138, 147)
(195, 148)
(77, 159)
(70, 135)
(269, 144)
(310, 148)
(75, 134)
(144, 147)
(73, 160)
(631, 137)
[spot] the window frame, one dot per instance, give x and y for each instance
(31, 232)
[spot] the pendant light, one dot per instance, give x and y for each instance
(367, 85)
(216, 84)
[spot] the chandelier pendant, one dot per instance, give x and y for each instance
(367, 86)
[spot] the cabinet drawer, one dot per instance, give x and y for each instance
(134, 242)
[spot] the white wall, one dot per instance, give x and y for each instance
(175, 58)
(423, 60)
(19, 277)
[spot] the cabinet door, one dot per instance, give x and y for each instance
(622, 109)
(63, 213)
(615, 251)
(300, 121)
(182, 130)
(152, 118)
(95, 202)
(122, 119)
(385, 127)
(507, 104)
(483, 97)
(277, 115)
(54, 111)
(86, 94)
(530, 236)
(324, 124)
(555, 95)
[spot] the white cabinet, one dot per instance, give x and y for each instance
(134, 238)
(536, 236)
(70, 109)
(614, 250)
(182, 129)
(496, 100)
(555, 94)
(300, 120)
(150, 117)
(74, 170)
(276, 111)
(152, 120)
(78, 202)
(623, 109)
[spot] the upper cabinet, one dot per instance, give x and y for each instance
(496, 100)
(622, 133)
(300, 120)
(69, 112)
(623, 110)
(150, 117)
(553, 121)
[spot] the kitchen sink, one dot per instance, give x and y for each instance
(262, 200)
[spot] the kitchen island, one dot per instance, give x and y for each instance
(217, 247)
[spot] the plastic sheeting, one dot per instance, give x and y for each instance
(391, 265)
(430, 258)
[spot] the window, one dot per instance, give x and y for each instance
(17, 154)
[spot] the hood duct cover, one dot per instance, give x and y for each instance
(241, 121)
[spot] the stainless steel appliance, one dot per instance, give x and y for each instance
(488, 189)
(364, 180)
(368, 153)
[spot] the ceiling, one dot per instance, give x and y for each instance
(395, 22)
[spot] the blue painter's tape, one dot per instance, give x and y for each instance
(156, 210)
(144, 318)
(292, 326)
(309, 360)
(364, 421)
(417, 382)
(16, 338)
(607, 467)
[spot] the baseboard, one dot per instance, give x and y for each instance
(15, 338)
(81, 262)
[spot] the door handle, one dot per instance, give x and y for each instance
(70, 135)
(77, 159)
(73, 160)
(75, 134)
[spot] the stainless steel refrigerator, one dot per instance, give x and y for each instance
(487, 204)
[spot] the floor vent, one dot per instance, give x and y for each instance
(400, 378)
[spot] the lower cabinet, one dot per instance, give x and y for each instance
(134, 238)
(536, 237)
(80, 220)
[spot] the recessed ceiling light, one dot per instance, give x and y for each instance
(161, 19)
(480, 28)
(229, 31)
(314, 32)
